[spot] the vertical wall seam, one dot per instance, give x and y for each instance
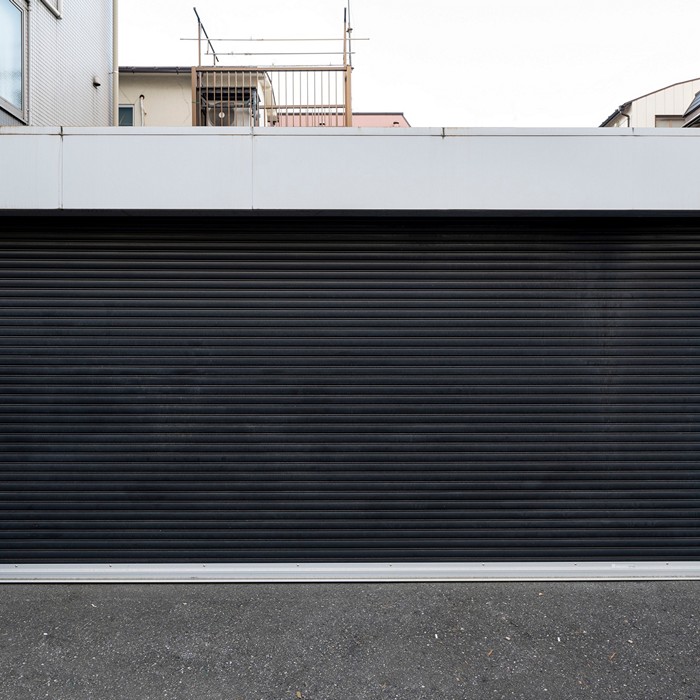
(60, 169)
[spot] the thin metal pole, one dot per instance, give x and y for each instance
(345, 37)
(348, 96)
(199, 20)
(349, 33)
(195, 121)
(278, 53)
(345, 63)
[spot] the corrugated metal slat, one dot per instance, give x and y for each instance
(344, 389)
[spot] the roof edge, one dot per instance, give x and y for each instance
(680, 82)
(174, 70)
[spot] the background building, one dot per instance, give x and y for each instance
(666, 107)
(56, 62)
(692, 114)
(312, 96)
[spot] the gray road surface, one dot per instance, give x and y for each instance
(350, 642)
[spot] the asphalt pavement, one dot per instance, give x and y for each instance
(351, 642)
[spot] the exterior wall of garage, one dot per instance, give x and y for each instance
(269, 394)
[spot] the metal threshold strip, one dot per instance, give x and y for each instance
(348, 573)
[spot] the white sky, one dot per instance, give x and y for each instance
(450, 62)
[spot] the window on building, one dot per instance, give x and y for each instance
(668, 121)
(12, 52)
(126, 115)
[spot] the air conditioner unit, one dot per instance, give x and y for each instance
(230, 107)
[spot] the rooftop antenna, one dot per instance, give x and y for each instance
(349, 35)
(347, 65)
(200, 29)
(345, 36)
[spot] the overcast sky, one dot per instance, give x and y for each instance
(454, 62)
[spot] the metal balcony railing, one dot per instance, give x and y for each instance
(277, 96)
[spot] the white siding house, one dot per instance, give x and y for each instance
(662, 108)
(56, 62)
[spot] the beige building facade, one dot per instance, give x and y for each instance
(163, 97)
(155, 96)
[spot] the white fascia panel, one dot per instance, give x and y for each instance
(332, 172)
(168, 171)
(657, 172)
(241, 169)
(30, 170)
(498, 171)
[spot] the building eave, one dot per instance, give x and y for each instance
(159, 70)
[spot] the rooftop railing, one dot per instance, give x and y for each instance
(277, 96)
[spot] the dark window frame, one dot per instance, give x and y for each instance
(133, 114)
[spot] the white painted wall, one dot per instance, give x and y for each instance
(351, 169)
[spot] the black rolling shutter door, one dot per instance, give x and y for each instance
(300, 390)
